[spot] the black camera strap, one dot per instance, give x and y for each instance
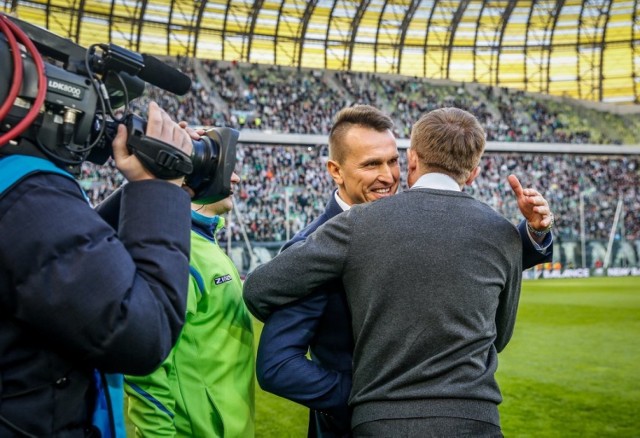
(160, 158)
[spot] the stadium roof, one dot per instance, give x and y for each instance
(582, 49)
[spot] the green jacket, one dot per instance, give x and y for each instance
(205, 388)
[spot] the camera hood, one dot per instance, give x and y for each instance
(214, 158)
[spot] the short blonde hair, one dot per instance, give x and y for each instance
(357, 115)
(450, 140)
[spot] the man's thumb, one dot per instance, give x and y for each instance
(515, 185)
(119, 143)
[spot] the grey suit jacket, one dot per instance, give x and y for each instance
(432, 278)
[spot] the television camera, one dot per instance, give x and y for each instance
(67, 109)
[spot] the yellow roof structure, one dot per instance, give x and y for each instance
(582, 49)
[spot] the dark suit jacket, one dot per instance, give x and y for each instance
(321, 323)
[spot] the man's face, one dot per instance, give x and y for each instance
(223, 206)
(370, 170)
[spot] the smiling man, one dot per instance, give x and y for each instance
(363, 162)
(363, 156)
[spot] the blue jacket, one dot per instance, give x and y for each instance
(78, 294)
(321, 323)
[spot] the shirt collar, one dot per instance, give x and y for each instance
(343, 205)
(438, 181)
(210, 224)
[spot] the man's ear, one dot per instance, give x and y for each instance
(333, 167)
(412, 160)
(412, 167)
(474, 174)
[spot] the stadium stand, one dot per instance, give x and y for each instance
(284, 187)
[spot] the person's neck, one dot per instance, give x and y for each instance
(341, 202)
(437, 180)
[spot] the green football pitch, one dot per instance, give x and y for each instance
(572, 368)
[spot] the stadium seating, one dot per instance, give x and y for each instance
(284, 188)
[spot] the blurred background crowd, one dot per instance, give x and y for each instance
(283, 188)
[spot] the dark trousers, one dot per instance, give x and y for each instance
(430, 427)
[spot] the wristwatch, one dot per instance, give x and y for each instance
(540, 233)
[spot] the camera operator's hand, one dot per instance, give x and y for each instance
(159, 126)
(195, 134)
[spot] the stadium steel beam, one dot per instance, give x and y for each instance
(308, 13)
(257, 5)
(224, 26)
(48, 13)
(326, 37)
(603, 46)
(143, 11)
(590, 23)
(635, 52)
(277, 34)
(192, 29)
(579, 77)
(173, 2)
(544, 15)
(475, 43)
(525, 64)
(178, 9)
(79, 16)
(110, 18)
(47, 9)
(556, 14)
(453, 29)
(506, 15)
(196, 30)
(375, 43)
(406, 20)
(492, 44)
(68, 12)
(426, 38)
(353, 31)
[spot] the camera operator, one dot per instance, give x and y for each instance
(84, 289)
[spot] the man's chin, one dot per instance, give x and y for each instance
(228, 203)
(377, 196)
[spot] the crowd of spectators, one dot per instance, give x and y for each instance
(562, 178)
(304, 101)
(288, 101)
(284, 188)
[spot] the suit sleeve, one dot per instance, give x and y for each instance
(508, 302)
(298, 271)
(531, 256)
(282, 366)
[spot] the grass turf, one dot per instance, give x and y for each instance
(570, 370)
